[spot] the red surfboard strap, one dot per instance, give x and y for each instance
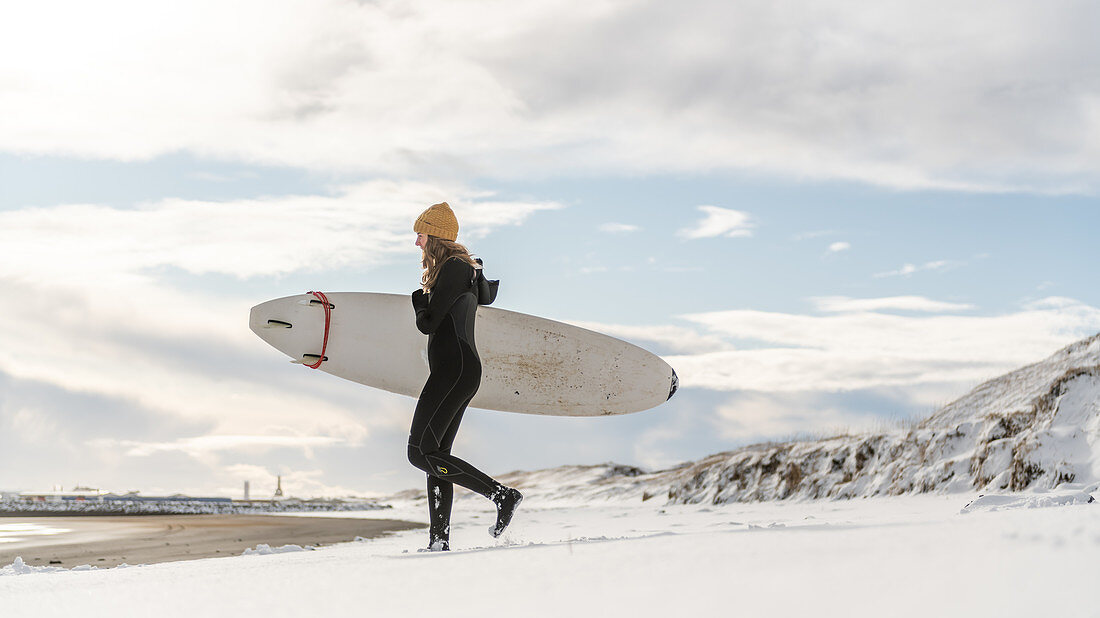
(328, 318)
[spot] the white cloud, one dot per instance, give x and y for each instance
(670, 337)
(861, 346)
(720, 222)
(363, 225)
(35, 427)
(839, 246)
(1052, 302)
(906, 95)
(843, 304)
(909, 269)
(104, 317)
(202, 445)
(755, 416)
(850, 351)
(618, 228)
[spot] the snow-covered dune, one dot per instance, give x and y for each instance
(1035, 428)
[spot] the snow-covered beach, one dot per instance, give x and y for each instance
(1013, 555)
(107, 541)
(835, 527)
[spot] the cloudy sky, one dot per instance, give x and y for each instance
(825, 218)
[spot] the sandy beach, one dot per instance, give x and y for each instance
(146, 539)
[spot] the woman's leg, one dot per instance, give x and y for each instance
(435, 423)
(440, 496)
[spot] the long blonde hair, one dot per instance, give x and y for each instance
(436, 252)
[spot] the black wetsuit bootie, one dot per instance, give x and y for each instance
(507, 500)
(437, 545)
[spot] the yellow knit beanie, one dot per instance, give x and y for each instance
(438, 220)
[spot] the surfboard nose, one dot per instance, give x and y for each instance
(675, 385)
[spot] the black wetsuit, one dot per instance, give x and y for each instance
(447, 315)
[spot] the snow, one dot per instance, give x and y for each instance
(911, 523)
(1017, 390)
(1001, 502)
(1011, 555)
(18, 567)
(263, 549)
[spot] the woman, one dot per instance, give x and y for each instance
(452, 287)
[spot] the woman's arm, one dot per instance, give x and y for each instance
(454, 279)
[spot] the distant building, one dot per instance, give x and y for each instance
(85, 494)
(79, 494)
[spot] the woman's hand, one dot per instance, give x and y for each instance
(419, 299)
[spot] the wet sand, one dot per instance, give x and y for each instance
(108, 541)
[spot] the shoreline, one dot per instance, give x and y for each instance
(111, 540)
(14, 515)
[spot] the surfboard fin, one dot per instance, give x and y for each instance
(314, 301)
(308, 359)
(277, 324)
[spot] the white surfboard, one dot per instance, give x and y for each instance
(529, 364)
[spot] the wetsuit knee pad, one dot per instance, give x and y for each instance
(441, 466)
(417, 459)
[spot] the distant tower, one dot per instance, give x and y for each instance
(246, 491)
(279, 487)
